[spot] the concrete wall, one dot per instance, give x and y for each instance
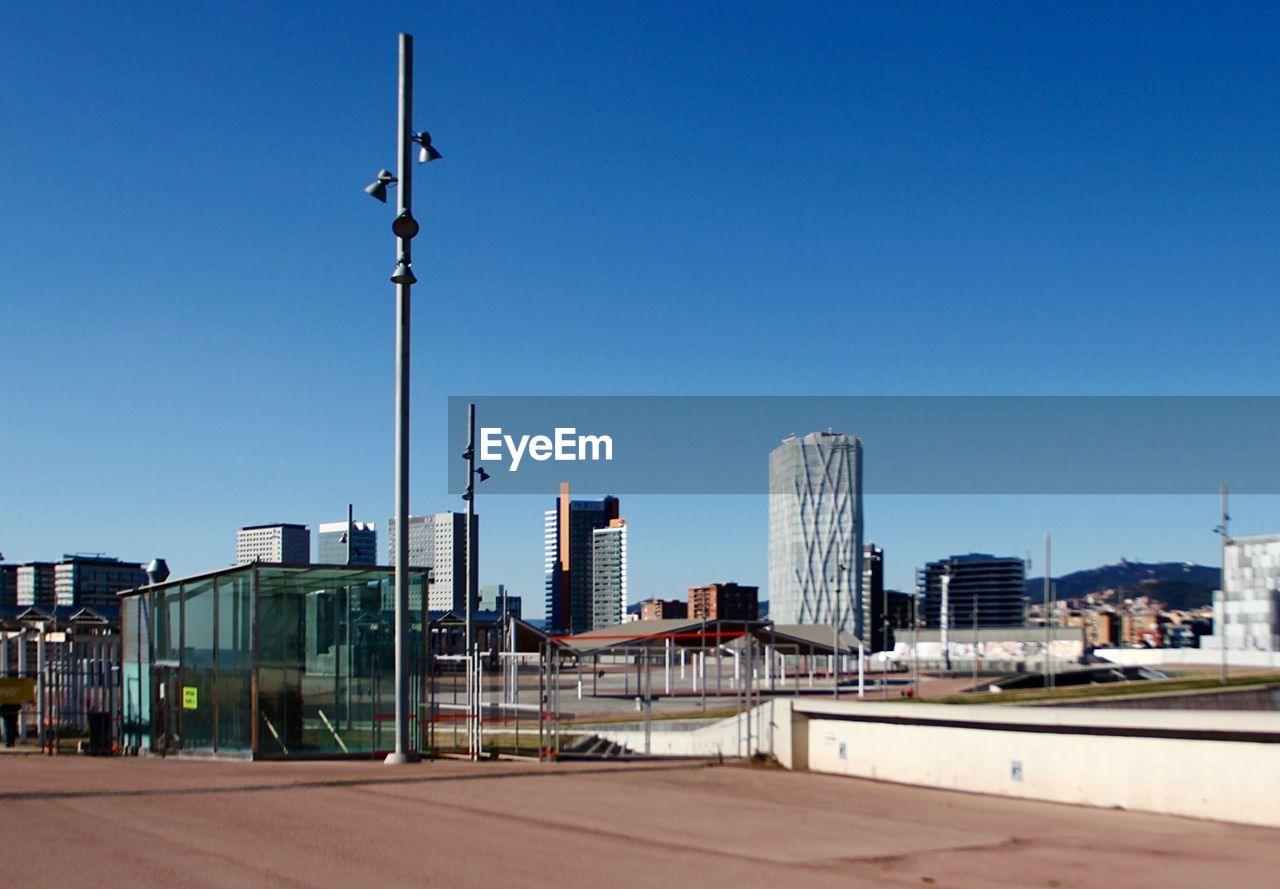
(1053, 754)
(1184, 657)
(766, 729)
(1219, 765)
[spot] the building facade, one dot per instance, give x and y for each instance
(35, 581)
(8, 584)
(494, 597)
(952, 589)
(568, 555)
(93, 581)
(663, 609)
(875, 601)
(1252, 584)
(815, 532)
(724, 601)
(347, 543)
(609, 574)
(439, 542)
(281, 543)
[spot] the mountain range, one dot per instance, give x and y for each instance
(1180, 585)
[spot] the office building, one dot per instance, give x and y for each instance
(280, 543)
(8, 585)
(724, 601)
(1252, 582)
(663, 609)
(439, 542)
(36, 585)
(951, 589)
(347, 543)
(568, 555)
(875, 601)
(93, 581)
(609, 574)
(815, 532)
(494, 597)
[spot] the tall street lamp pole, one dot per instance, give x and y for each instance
(1222, 531)
(469, 495)
(404, 228)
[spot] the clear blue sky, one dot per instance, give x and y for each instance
(650, 198)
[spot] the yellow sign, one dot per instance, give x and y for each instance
(17, 690)
(190, 697)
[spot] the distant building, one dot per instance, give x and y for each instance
(609, 574)
(724, 601)
(93, 581)
(338, 540)
(281, 543)
(815, 531)
(8, 584)
(569, 548)
(875, 601)
(993, 585)
(663, 609)
(439, 542)
(36, 585)
(1252, 582)
(493, 596)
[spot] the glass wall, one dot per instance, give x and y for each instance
(326, 669)
(233, 663)
(196, 701)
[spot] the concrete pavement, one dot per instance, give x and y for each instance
(77, 821)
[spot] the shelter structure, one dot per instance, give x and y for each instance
(267, 660)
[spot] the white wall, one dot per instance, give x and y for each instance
(1220, 780)
(1184, 657)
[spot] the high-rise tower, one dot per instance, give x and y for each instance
(569, 547)
(815, 531)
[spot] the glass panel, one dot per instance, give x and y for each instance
(327, 660)
(234, 674)
(196, 686)
(135, 667)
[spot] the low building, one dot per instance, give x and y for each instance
(663, 609)
(93, 581)
(724, 601)
(279, 543)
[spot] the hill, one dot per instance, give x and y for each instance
(1177, 584)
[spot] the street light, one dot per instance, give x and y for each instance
(1221, 530)
(469, 495)
(405, 227)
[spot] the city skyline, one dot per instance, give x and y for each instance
(1084, 192)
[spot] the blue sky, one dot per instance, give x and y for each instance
(650, 198)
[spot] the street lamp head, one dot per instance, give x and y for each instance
(426, 152)
(405, 226)
(378, 188)
(484, 476)
(403, 274)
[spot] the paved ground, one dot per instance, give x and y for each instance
(75, 821)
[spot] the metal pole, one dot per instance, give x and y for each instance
(404, 173)
(1222, 582)
(1048, 668)
(975, 640)
(473, 663)
(944, 618)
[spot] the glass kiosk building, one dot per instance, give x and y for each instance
(267, 661)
